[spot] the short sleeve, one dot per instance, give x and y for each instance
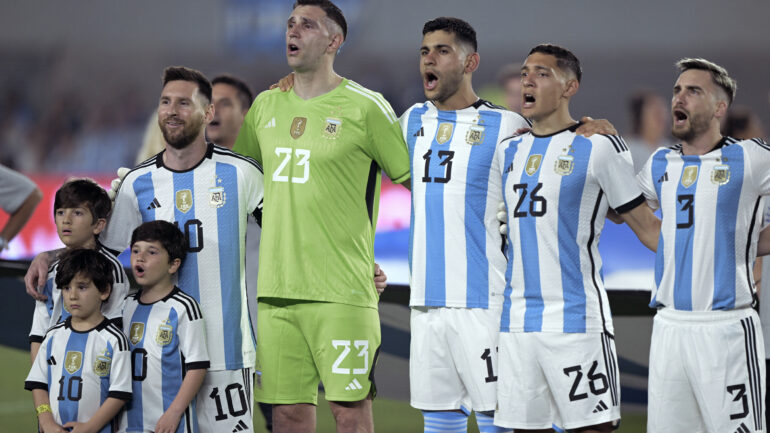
(38, 374)
(644, 180)
(14, 189)
(192, 338)
(120, 371)
(247, 143)
(125, 217)
(386, 142)
(759, 159)
(613, 168)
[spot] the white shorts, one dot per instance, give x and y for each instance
(453, 358)
(569, 380)
(707, 372)
(224, 402)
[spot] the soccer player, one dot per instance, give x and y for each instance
(81, 208)
(84, 362)
(457, 265)
(322, 145)
(207, 191)
(167, 335)
(557, 355)
(706, 369)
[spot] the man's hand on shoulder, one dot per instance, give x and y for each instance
(285, 83)
(36, 275)
(591, 126)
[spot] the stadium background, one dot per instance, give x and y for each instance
(80, 79)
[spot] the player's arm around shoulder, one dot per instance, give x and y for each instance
(385, 140)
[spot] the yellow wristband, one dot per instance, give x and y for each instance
(43, 408)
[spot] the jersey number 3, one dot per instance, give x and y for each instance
(303, 160)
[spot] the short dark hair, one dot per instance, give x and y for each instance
(718, 74)
(565, 59)
(244, 91)
(461, 29)
(91, 263)
(164, 232)
(332, 11)
(182, 73)
(79, 192)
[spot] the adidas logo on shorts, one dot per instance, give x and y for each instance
(355, 385)
(241, 426)
(601, 407)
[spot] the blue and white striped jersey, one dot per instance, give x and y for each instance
(557, 190)
(166, 339)
(711, 207)
(455, 248)
(51, 311)
(81, 369)
(209, 203)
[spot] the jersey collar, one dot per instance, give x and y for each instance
(209, 152)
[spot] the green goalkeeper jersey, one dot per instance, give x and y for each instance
(322, 159)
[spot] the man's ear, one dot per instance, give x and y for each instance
(472, 63)
(572, 87)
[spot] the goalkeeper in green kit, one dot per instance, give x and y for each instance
(322, 146)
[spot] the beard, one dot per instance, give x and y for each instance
(449, 84)
(183, 138)
(698, 124)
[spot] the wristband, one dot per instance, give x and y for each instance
(43, 408)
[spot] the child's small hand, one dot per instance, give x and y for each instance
(78, 427)
(51, 426)
(168, 422)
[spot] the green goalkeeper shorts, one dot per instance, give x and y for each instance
(301, 342)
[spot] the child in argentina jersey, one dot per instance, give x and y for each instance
(455, 252)
(209, 203)
(711, 218)
(50, 312)
(558, 189)
(80, 370)
(166, 340)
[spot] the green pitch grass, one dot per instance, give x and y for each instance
(390, 416)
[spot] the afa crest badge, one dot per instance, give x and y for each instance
(564, 165)
(332, 128)
(720, 174)
(102, 364)
(165, 333)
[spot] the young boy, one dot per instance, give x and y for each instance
(167, 335)
(84, 364)
(81, 208)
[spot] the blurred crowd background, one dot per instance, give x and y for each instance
(80, 78)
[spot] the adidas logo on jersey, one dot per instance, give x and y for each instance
(241, 426)
(355, 385)
(509, 168)
(270, 124)
(154, 205)
(51, 360)
(601, 407)
(663, 178)
(420, 133)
